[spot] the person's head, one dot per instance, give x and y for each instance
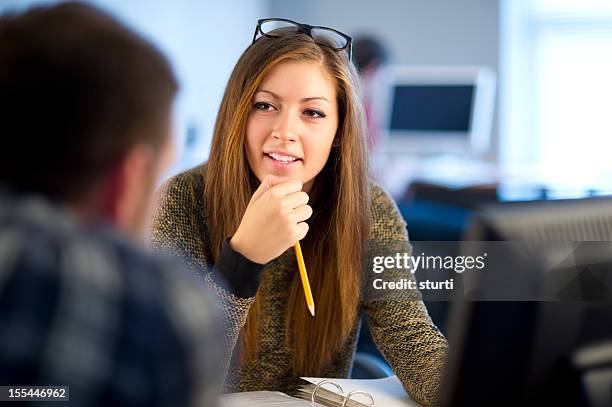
(293, 123)
(292, 99)
(369, 53)
(86, 105)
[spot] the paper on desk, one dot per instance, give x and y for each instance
(261, 399)
(387, 392)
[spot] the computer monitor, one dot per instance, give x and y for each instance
(549, 342)
(440, 109)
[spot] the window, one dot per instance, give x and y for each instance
(557, 86)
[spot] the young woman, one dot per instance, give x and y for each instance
(288, 164)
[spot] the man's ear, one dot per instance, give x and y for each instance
(128, 186)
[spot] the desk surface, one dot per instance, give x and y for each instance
(512, 182)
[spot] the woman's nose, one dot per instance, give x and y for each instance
(285, 128)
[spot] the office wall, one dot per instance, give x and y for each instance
(423, 32)
(203, 40)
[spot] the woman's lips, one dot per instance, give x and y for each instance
(281, 164)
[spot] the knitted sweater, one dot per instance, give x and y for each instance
(399, 322)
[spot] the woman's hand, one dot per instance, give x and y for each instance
(273, 221)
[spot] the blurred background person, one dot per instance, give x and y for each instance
(371, 57)
(88, 106)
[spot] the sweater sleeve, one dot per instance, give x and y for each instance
(398, 319)
(178, 228)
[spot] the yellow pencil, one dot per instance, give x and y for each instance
(304, 276)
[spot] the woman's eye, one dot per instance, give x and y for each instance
(263, 106)
(315, 114)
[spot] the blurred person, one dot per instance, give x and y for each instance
(371, 58)
(288, 163)
(87, 106)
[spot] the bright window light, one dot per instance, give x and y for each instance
(557, 110)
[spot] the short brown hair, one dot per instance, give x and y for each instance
(77, 91)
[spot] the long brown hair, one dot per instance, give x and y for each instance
(341, 218)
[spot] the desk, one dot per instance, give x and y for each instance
(437, 195)
(510, 182)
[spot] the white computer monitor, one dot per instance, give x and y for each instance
(440, 109)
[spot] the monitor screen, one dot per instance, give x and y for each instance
(432, 108)
(438, 109)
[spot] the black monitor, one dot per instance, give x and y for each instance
(536, 327)
(418, 107)
(439, 109)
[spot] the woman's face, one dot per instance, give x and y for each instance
(292, 123)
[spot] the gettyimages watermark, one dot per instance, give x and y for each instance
(488, 271)
(412, 264)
